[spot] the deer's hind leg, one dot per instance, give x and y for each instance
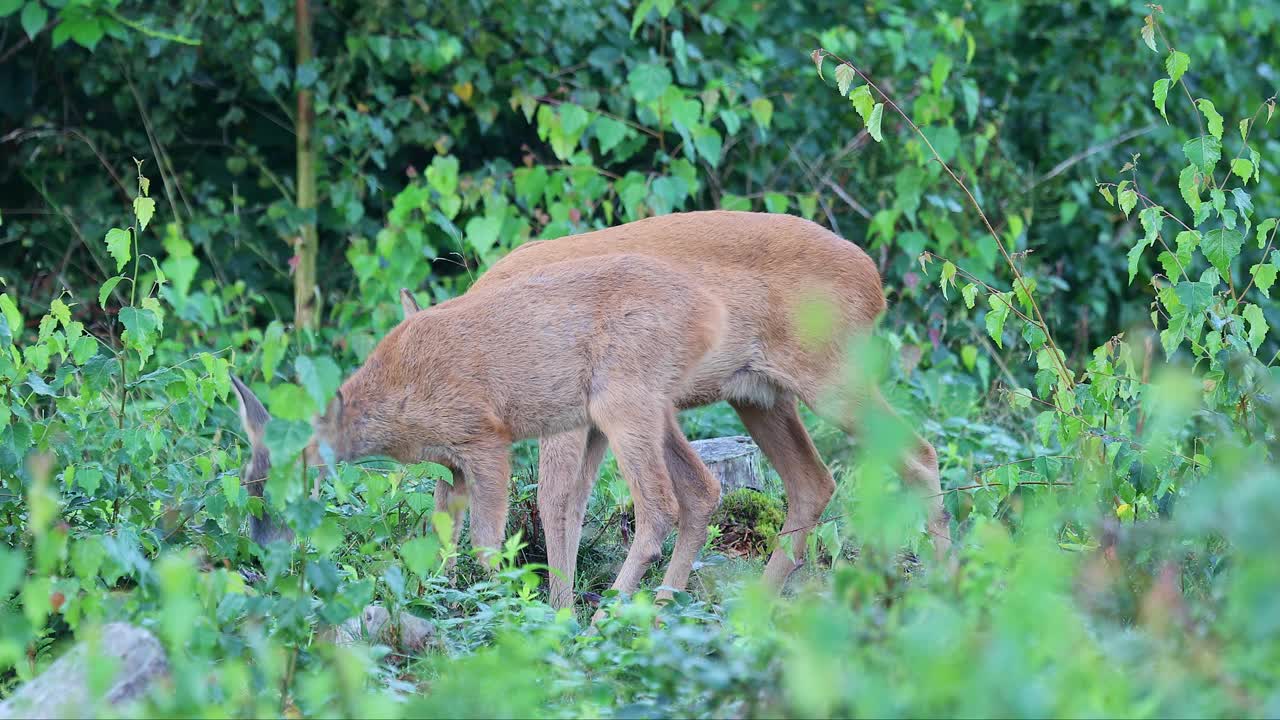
(782, 437)
(698, 493)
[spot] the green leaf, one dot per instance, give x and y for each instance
(1106, 193)
(144, 208)
(1134, 255)
(762, 112)
(609, 133)
(106, 289)
(7, 8)
(1128, 198)
(1264, 276)
(1152, 221)
(1211, 116)
(320, 376)
(286, 438)
(997, 315)
(1220, 246)
(33, 18)
(709, 144)
(1149, 34)
(1194, 296)
(11, 314)
(969, 293)
(776, 202)
(1243, 202)
(1203, 152)
(845, 76)
(862, 101)
(648, 82)
(421, 555)
(119, 245)
(1258, 327)
(1242, 168)
(1177, 64)
(1189, 187)
(948, 276)
(482, 233)
(1264, 230)
(290, 402)
(873, 122)
(1159, 93)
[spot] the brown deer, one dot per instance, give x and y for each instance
(601, 345)
(768, 270)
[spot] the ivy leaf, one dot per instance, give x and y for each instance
(1211, 116)
(1258, 327)
(997, 315)
(844, 78)
(873, 123)
(1204, 151)
(1220, 246)
(33, 18)
(1177, 64)
(119, 246)
(1159, 93)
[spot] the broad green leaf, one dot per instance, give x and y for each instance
(274, 343)
(1152, 221)
(862, 101)
(106, 289)
(119, 245)
(873, 123)
(648, 82)
(1221, 246)
(482, 233)
(1106, 193)
(1264, 231)
(1194, 296)
(1242, 168)
(1264, 276)
(12, 316)
(845, 76)
(421, 555)
(762, 112)
(1189, 187)
(776, 202)
(1203, 152)
(7, 8)
(1243, 202)
(939, 71)
(320, 376)
(1159, 93)
(1177, 64)
(286, 438)
(997, 315)
(1211, 116)
(1128, 198)
(969, 293)
(290, 402)
(1135, 255)
(641, 12)
(709, 144)
(1258, 327)
(144, 208)
(33, 18)
(609, 133)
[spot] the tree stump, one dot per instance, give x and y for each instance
(63, 689)
(733, 460)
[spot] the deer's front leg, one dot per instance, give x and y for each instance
(451, 498)
(488, 472)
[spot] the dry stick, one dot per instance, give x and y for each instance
(1017, 274)
(1090, 151)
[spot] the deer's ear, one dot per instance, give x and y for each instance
(408, 303)
(253, 416)
(333, 413)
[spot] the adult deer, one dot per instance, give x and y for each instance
(767, 270)
(602, 345)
